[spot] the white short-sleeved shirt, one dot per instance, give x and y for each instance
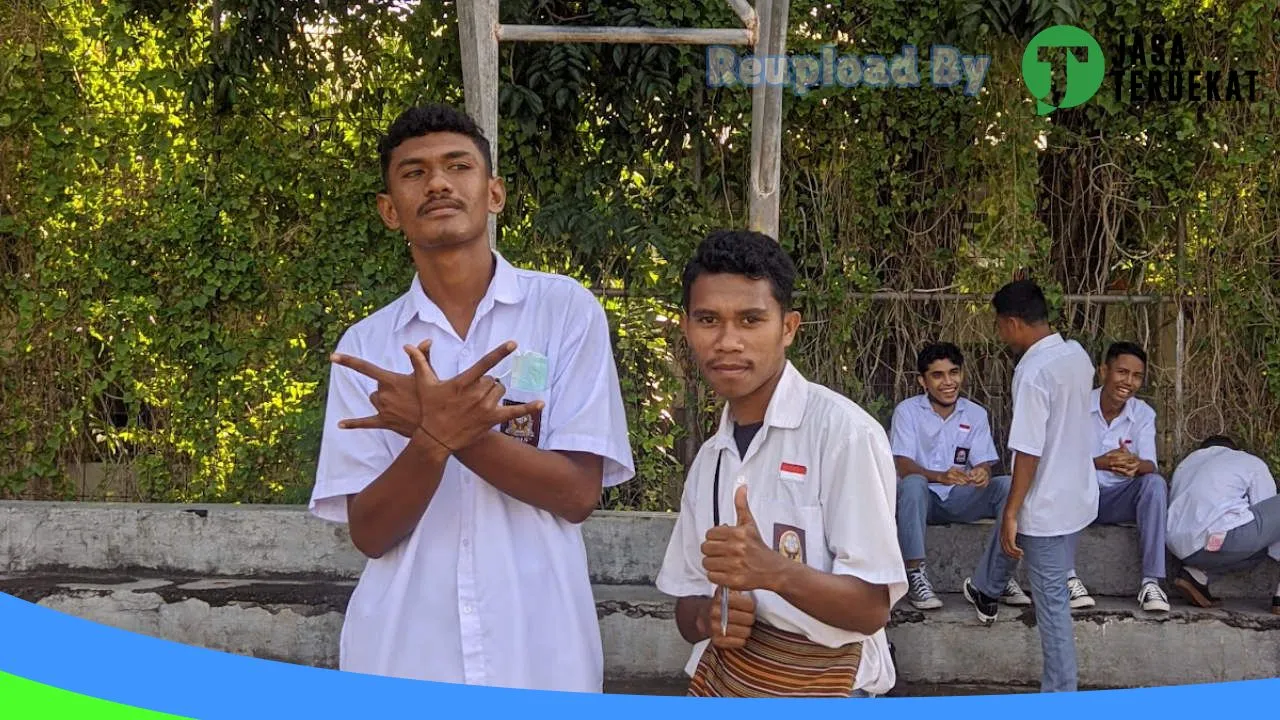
(1135, 427)
(1051, 401)
(1211, 492)
(820, 480)
(487, 590)
(962, 439)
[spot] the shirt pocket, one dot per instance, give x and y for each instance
(531, 428)
(797, 533)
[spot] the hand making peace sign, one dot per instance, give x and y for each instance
(454, 413)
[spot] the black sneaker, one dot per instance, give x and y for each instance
(987, 606)
(1275, 604)
(1193, 590)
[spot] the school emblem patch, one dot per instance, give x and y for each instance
(788, 541)
(526, 428)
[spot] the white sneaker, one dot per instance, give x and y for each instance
(1080, 597)
(1152, 598)
(920, 591)
(1013, 595)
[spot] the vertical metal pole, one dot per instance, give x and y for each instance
(478, 35)
(766, 120)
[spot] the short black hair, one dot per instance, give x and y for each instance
(1218, 441)
(1125, 348)
(1021, 299)
(426, 119)
(934, 352)
(743, 252)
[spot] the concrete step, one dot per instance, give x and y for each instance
(1117, 643)
(623, 548)
(298, 620)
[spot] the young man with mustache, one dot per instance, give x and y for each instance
(943, 452)
(786, 518)
(466, 491)
(1129, 486)
(1053, 494)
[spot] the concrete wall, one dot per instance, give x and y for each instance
(623, 548)
(273, 582)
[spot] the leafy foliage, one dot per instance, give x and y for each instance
(187, 224)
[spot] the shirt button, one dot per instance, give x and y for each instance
(467, 610)
(466, 542)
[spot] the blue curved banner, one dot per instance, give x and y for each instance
(61, 651)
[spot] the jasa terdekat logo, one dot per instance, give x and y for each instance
(1157, 69)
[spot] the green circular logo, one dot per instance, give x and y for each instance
(1079, 59)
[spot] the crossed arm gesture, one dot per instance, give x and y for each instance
(453, 413)
(455, 418)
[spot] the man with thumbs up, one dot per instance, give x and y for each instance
(788, 508)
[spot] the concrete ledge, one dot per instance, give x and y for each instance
(623, 548)
(299, 621)
(1118, 645)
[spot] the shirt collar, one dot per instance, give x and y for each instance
(1044, 343)
(786, 407)
(1126, 412)
(504, 288)
(927, 405)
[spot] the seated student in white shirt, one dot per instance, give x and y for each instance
(1053, 494)
(1130, 488)
(943, 452)
(466, 491)
(1224, 515)
(788, 507)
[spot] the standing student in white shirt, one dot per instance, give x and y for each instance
(1130, 488)
(466, 491)
(1053, 493)
(943, 452)
(788, 507)
(1224, 515)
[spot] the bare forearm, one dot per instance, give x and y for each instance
(1102, 462)
(1146, 467)
(565, 484)
(907, 467)
(386, 512)
(1024, 472)
(690, 612)
(841, 601)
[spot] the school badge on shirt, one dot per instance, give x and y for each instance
(788, 541)
(526, 428)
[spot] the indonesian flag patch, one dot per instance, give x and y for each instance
(791, 471)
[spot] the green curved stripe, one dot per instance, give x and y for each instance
(25, 699)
